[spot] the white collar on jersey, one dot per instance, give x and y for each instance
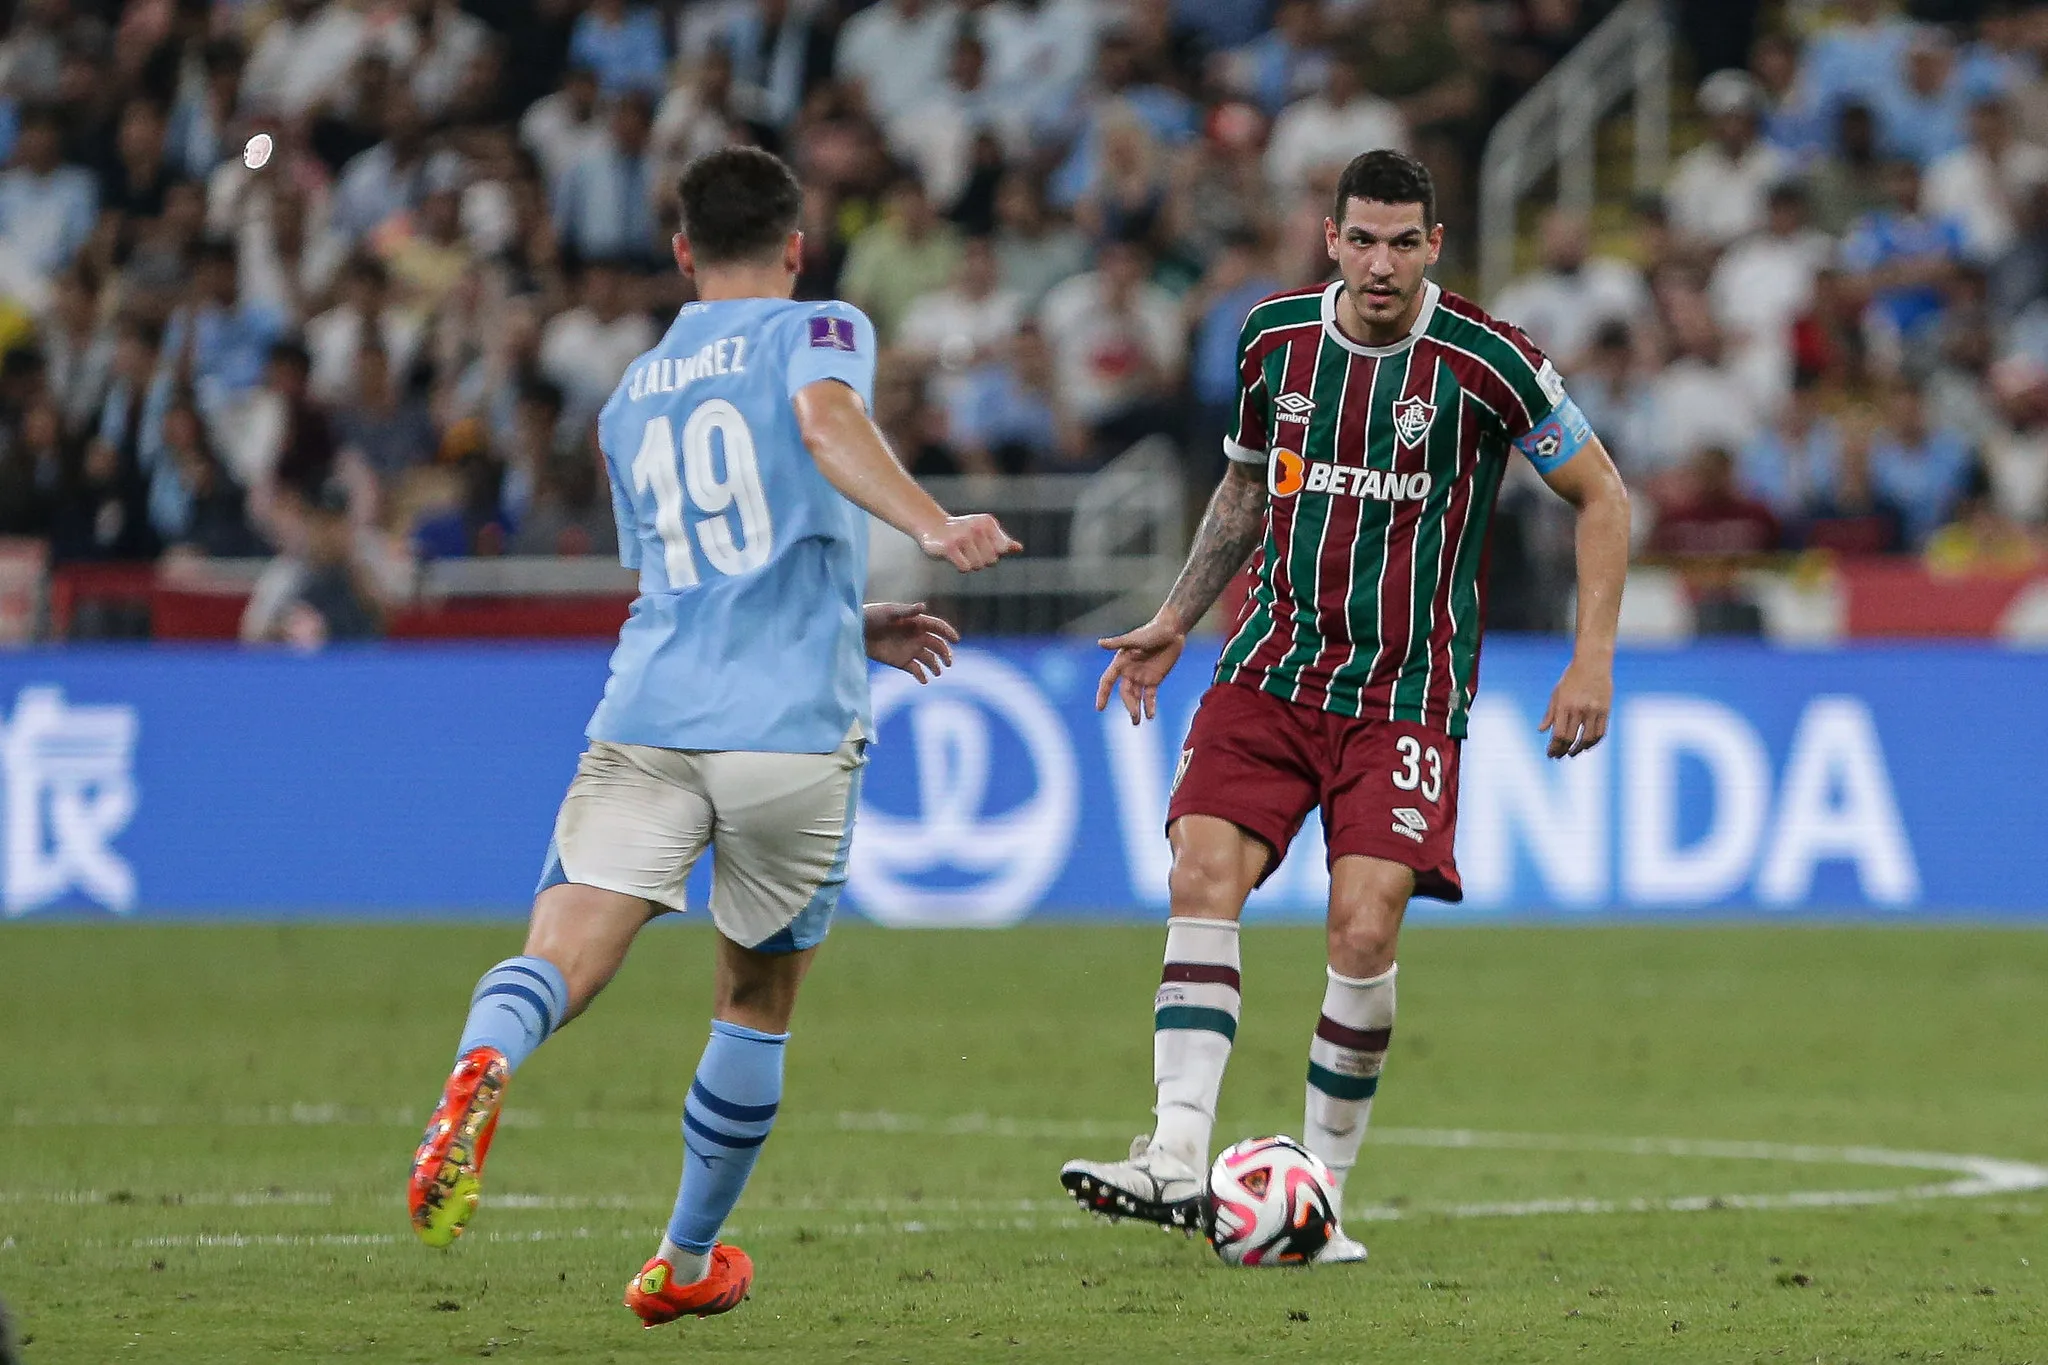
(1430, 293)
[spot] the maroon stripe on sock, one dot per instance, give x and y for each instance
(1357, 1039)
(1207, 973)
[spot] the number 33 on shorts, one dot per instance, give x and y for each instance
(1421, 768)
(1418, 777)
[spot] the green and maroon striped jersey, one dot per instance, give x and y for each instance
(1382, 467)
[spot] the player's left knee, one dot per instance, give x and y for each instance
(1362, 937)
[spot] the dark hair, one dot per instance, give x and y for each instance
(739, 203)
(1976, 483)
(542, 393)
(224, 54)
(145, 331)
(214, 251)
(368, 269)
(290, 353)
(1787, 192)
(1386, 176)
(1613, 335)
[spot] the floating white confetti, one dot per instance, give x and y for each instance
(256, 151)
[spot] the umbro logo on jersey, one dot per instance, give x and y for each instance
(1412, 417)
(1295, 407)
(1411, 822)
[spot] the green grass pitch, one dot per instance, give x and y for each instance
(204, 1133)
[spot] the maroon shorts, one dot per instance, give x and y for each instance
(1387, 788)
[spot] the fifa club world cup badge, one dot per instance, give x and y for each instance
(1412, 417)
(832, 334)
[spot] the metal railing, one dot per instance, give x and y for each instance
(1556, 125)
(1100, 550)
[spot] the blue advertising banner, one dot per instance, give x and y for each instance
(1878, 782)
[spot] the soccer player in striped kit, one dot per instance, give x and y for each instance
(1376, 418)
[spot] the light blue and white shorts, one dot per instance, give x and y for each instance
(636, 820)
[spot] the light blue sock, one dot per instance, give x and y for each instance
(516, 1005)
(726, 1119)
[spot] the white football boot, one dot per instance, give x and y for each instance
(1341, 1249)
(1153, 1185)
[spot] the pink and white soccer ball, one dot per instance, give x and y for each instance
(1271, 1202)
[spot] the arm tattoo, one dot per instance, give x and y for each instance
(1230, 531)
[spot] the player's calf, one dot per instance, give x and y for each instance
(1344, 1060)
(728, 1115)
(1194, 1022)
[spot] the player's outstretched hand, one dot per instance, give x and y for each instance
(1143, 659)
(969, 543)
(1577, 717)
(904, 635)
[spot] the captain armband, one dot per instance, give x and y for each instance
(1558, 437)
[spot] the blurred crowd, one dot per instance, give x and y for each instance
(1830, 333)
(386, 343)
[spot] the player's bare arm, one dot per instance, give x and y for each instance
(855, 458)
(1229, 532)
(1578, 712)
(906, 635)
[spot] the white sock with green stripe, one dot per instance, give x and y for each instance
(1194, 1022)
(1344, 1060)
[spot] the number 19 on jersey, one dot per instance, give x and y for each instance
(730, 549)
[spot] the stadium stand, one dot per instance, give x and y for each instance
(1821, 357)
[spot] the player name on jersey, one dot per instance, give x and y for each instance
(670, 374)
(1383, 464)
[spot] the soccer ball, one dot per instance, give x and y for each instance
(1271, 1202)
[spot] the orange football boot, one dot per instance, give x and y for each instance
(657, 1298)
(447, 1171)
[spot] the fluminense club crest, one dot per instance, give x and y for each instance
(1412, 417)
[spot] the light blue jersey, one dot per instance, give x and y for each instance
(747, 633)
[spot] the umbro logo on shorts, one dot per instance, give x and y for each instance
(1411, 822)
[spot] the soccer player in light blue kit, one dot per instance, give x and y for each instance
(743, 465)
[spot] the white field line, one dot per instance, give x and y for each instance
(524, 1203)
(1976, 1176)
(363, 1116)
(194, 1199)
(233, 1241)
